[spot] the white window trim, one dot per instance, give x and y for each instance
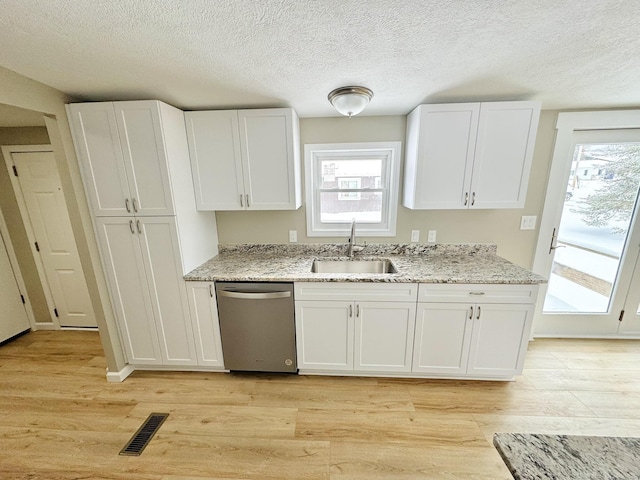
(313, 152)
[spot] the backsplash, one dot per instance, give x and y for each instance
(326, 249)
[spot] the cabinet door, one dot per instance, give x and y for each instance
(161, 255)
(269, 142)
(499, 339)
(439, 158)
(324, 335)
(384, 336)
(145, 158)
(214, 150)
(95, 135)
(443, 335)
(122, 260)
(504, 151)
(205, 324)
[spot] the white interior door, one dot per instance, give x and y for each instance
(51, 227)
(591, 253)
(13, 319)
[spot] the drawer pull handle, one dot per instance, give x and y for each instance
(241, 202)
(350, 311)
(470, 313)
(126, 204)
(131, 227)
(476, 293)
(478, 317)
(466, 198)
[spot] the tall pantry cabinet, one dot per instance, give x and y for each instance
(135, 166)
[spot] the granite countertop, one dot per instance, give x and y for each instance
(560, 457)
(415, 263)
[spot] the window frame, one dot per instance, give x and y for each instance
(389, 152)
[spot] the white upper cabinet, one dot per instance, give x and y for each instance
(469, 155)
(245, 159)
(123, 154)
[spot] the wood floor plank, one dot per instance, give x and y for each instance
(583, 380)
(218, 421)
(612, 404)
(492, 423)
(476, 399)
(338, 397)
(389, 427)
(378, 461)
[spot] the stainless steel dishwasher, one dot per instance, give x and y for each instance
(257, 326)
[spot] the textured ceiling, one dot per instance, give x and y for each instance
(199, 54)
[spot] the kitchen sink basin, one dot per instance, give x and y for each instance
(353, 266)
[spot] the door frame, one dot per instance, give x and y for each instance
(567, 124)
(7, 151)
(17, 273)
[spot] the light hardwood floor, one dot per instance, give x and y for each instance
(60, 419)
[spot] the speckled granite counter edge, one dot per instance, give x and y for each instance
(534, 456)
(440, 263)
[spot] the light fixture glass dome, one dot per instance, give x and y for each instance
(350, 101)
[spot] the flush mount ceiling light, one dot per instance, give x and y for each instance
(350, 101)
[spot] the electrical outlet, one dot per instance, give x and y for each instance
(293, 236)
(431, 237)
(528, 222)
(415, 236)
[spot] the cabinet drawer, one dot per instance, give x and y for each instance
(355, 291)
(481, 293)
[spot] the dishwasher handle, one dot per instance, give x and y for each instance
(254, 295)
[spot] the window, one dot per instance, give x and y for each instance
(352, 181)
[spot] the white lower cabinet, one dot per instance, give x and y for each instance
(324, 335)
(206, 326)
(459, 336)
(356, 335)
(143, 267)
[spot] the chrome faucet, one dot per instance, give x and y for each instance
(352, 241)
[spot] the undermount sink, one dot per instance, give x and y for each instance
(353, 266)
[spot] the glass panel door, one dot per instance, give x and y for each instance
(595, 246)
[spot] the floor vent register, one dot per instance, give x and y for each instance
(145, 433)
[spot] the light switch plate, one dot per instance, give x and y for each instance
(415, 236)
(293, 236)
(528, 222)
(431, 237)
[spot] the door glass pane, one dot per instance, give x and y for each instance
(598, 208)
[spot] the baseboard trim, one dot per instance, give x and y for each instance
(119, 376)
